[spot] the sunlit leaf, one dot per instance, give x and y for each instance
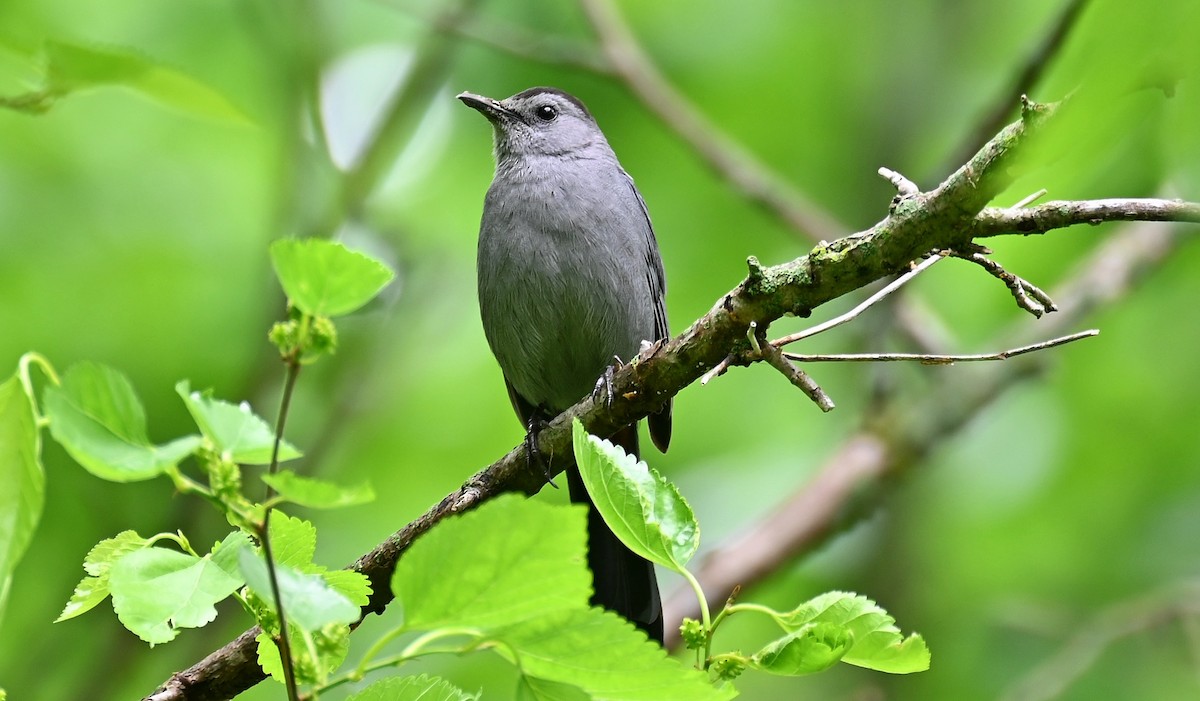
(419, 688)
(878, 643)
(233, 429)
(641, 507)
(22, 479)
(93, 589)
(813, 648)
(318, 494)
(324, 278)
(308, 600)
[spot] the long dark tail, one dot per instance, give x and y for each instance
(623, 581)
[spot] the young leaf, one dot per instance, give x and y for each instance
(233, 429)
(642, 508)
(93, 589)
(813, 648)
(603, 655)
(324, 278)
(420, 688)
(293, 541)
(878, 643)
(317, 494)
(156, 592)
(510, 560)
(96, 416)
(308, 600)
(74, 67)
(21, 474)
(331, 643)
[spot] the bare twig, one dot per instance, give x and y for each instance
(1030, 198)
(1029, 297)
(903, 185)
(997, 221)
(866, 304)
(935, 359)
(806, 384)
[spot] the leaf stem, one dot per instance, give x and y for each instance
(704, 618)
(27, 381)
(282, 642)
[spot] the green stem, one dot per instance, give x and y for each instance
(704, 618)
(27, 381)
(284, 644)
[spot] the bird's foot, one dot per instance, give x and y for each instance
(604, 383)
(533, 453)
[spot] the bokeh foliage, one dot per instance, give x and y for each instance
(134, 232)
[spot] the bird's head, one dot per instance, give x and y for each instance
(538, 121)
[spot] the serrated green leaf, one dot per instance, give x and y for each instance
(331, 644)
(641, 507)
(308, 600)
(605, 656)
(507, 561)
(293, 541)
(96, 416)
(224, 554)
(74, 67)
(536, 689)
(813, 648)
(878, 643)
(324, 278)
(93, 589)
(318, 494)
(21, 474)
(419, 688)
(156, 592)
(353, 585)
(233, 429)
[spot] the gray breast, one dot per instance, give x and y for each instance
(563, 282)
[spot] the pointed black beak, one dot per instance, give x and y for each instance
(492, 109)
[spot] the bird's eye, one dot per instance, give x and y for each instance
(546, 113)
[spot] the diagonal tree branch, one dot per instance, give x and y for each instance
(915, 225)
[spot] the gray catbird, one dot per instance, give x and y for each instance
(569, 278)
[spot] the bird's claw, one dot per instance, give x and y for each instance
(604, 383)
(533, 453)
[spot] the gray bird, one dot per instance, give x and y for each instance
(569, 278)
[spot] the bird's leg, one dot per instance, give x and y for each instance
(604, 383)
(532, 429)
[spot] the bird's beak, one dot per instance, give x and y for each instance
(492, 109)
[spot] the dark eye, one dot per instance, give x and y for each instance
(546, 113)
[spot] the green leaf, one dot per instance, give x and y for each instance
(813, 648)
(318, 494)
(308, 600)
(878, 643)
(641, 507)
(24, 481)
(156, 592)
(353, 585)
(602, 654)
(93, 589)
(74, 67)
(510, 560)
(331, 644)
(293, 541)
(324, 278)
(536, 689)
(96, 416)
(420, 688)
(233, 429)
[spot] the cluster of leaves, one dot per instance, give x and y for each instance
(510, 577)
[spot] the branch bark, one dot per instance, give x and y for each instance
(945, 218)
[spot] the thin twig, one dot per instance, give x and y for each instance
(903, 185)
(862, 307)
(1057, 214)
(264, 535)
(936, 359)
(1029, 297)
(802, 380)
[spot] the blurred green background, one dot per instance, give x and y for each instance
(1052, 547)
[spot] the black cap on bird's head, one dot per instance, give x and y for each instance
(537, 121)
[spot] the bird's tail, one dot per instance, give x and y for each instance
(623, 581)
